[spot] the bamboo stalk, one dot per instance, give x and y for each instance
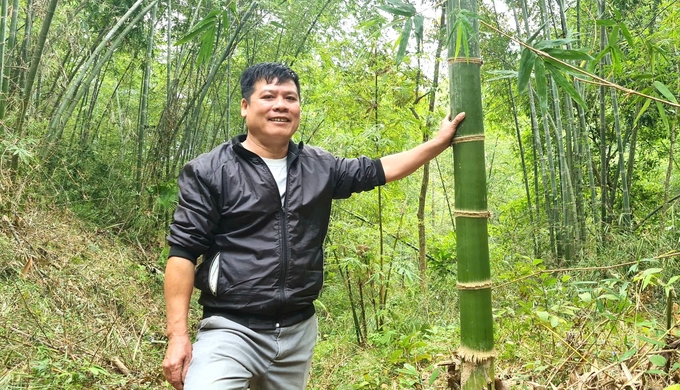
(474, 274)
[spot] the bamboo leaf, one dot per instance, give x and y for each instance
(564, 54)
(592, 64)
(200, 27)
(370, 23)
(673, 279)
(626, 34)
(553, 43)
(464, 30)
(399, 8)
(643, 109)
(435, 374)
(418, 21)
(605, 22)
(207, 45)
(531, 38)
(526, 64)
(541, 84)
(613, 37)
(226, 20)
(619, 52)
(657, 343)
(501, 75)
(662, 114)
(565, 85)
(403, 39)
(665, 91)
(628, 354)
(459, 36)
(469, 32)
(616, 57)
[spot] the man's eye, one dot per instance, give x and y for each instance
(292, 98)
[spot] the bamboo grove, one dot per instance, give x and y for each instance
(102, 102)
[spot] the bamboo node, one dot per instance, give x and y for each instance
(471, 286)
(471, 355)
(471, 60)
(472, 213)
(467, 138)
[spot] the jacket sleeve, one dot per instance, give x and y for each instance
(191, 231)
(357, 175)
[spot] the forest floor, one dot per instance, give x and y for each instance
(81, 309)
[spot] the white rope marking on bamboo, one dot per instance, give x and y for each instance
(467, 138)
(472, 60)
(468, 354)
(472, 213)
(470, 286)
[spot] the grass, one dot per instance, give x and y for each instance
(80, 309)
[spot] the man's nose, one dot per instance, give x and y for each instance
(280, 104)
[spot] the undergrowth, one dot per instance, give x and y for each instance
(82, 308)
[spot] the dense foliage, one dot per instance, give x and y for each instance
(102, 103)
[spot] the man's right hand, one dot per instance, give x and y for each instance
(177, 359)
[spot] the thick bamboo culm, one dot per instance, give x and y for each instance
(474, 275)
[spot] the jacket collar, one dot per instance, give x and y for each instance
(293, 149)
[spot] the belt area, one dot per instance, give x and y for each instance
(260, 322)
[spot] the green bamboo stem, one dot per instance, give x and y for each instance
(67, 103)
(55, 134)
(625, 193)
(3, 73)
(144, 99)
(12, 47)
(474, 274)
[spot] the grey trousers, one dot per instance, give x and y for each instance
(230, 356)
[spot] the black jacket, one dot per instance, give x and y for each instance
(260, 258)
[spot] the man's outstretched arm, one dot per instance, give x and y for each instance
(179, 284)
(400, 165)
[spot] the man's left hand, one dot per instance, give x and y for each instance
(448, 127)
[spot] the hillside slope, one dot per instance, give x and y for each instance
(77, 308)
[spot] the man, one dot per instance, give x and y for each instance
(257, 209)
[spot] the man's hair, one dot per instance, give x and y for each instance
(267, 71)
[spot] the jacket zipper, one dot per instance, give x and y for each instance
(284, 242)
(284, 233)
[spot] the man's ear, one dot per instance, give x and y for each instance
(244, 108)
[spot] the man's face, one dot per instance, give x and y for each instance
(273, 112)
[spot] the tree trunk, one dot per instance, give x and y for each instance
(422, 198)
(474, 272)
(11, 47)
(67, 104)
(144, 100)
(35, 61)
(604, 218)
(3, 47)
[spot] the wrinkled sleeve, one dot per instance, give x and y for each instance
(191, 231)
(357, 175)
